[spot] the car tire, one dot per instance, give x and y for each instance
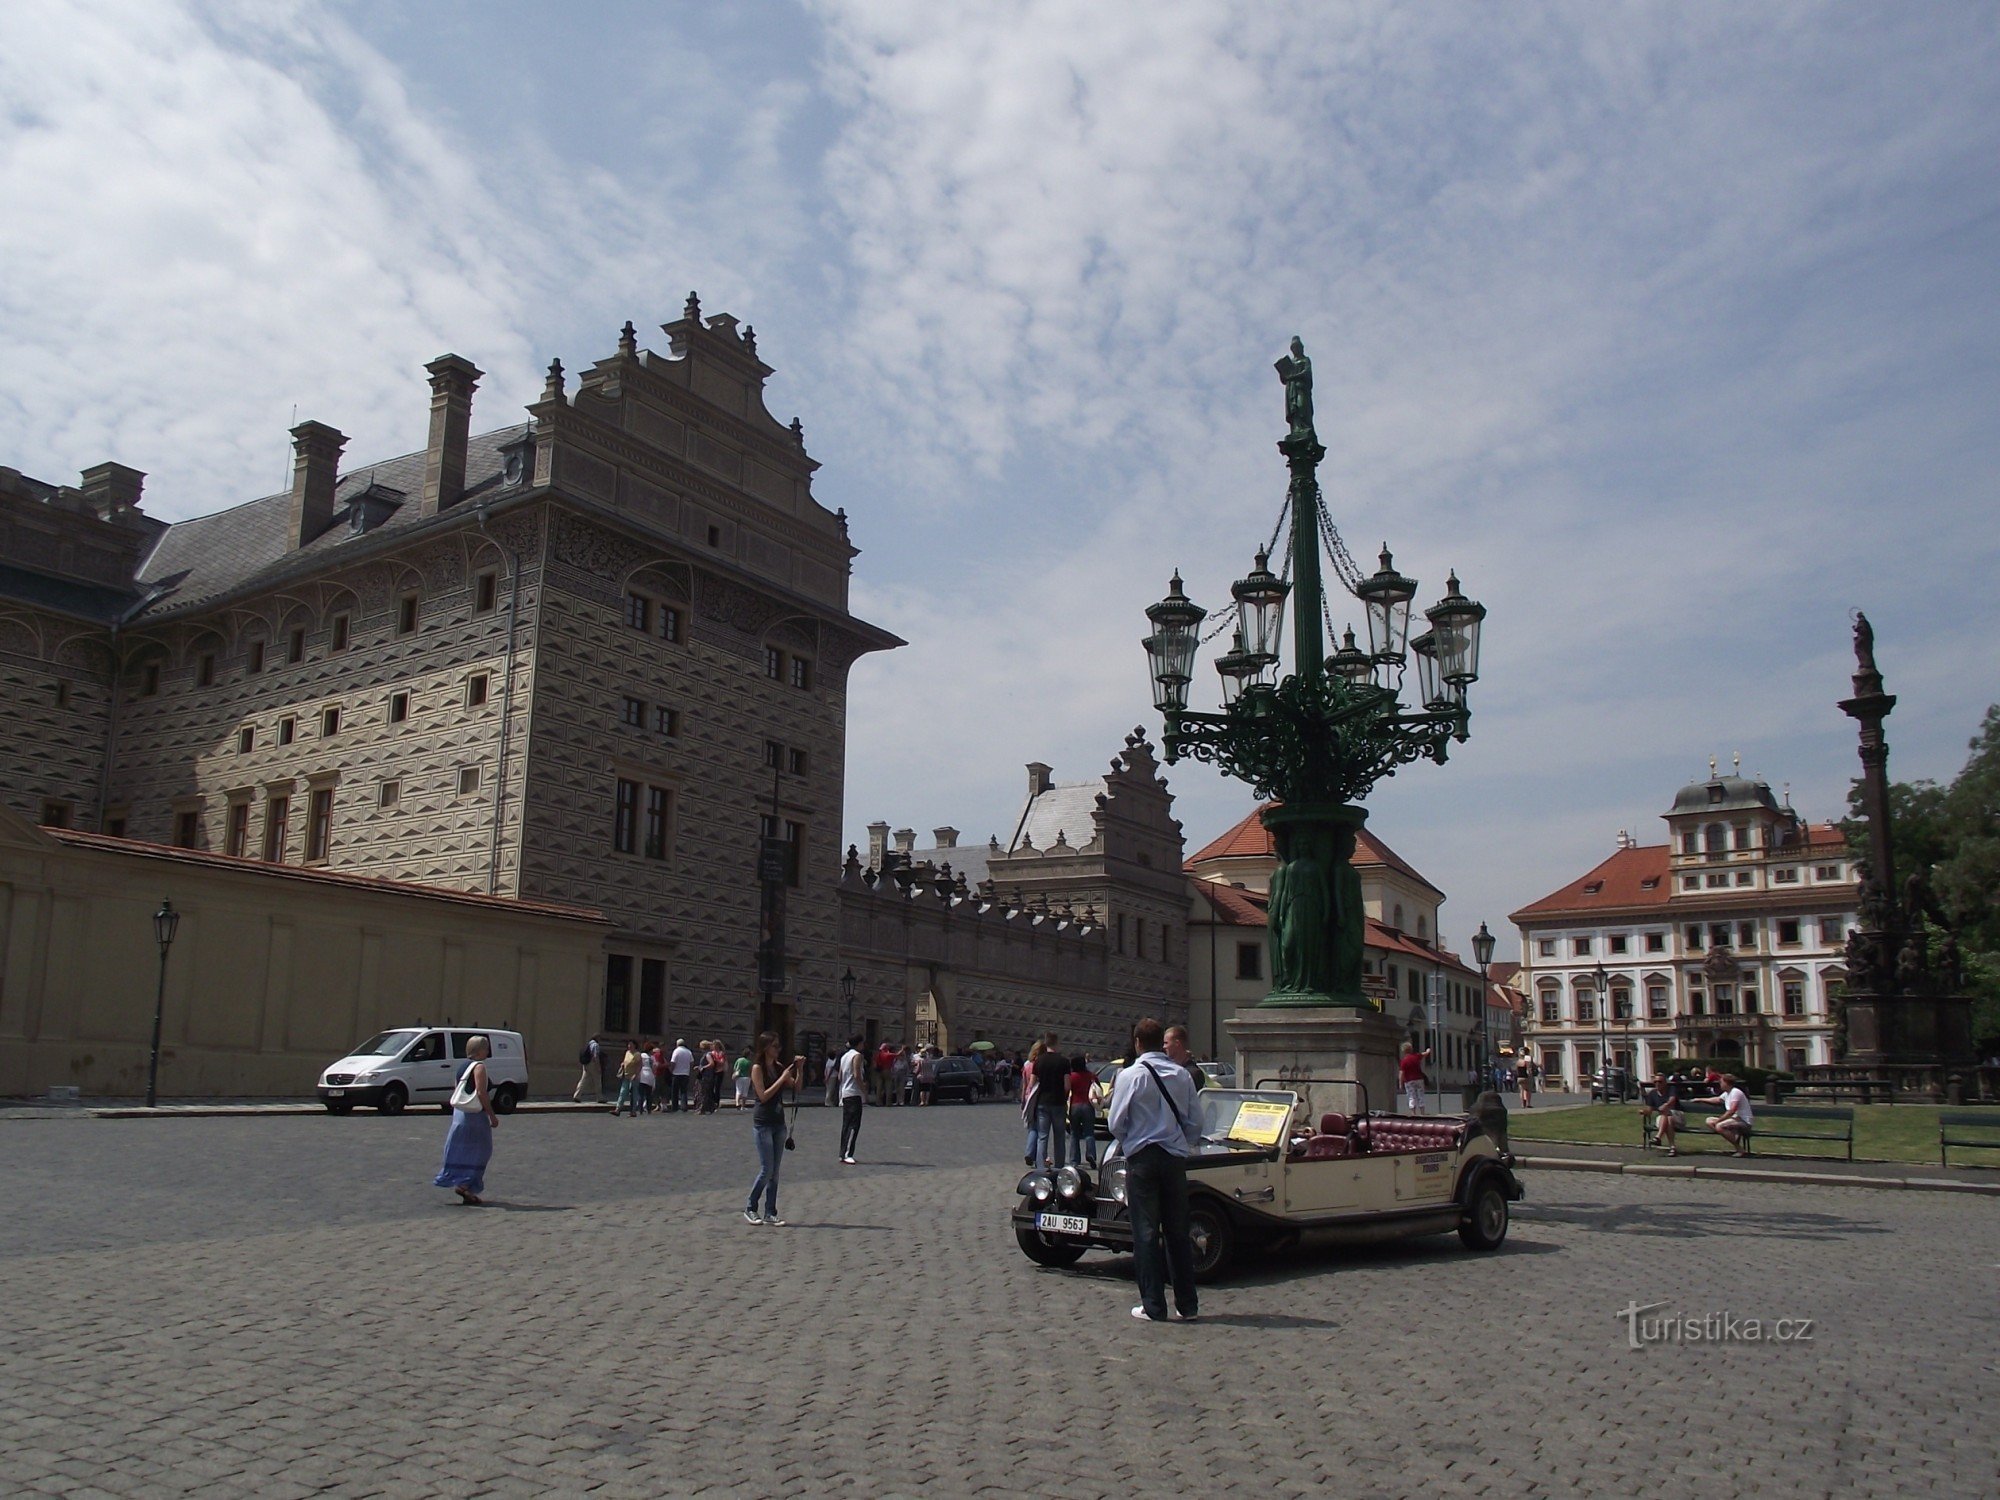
(1484, 1226)
(1214, 1238)
(1047, 1249)
(504, 1099)
(339, 1107)
(393, 1100)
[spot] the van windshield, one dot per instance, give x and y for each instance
(386, 1044)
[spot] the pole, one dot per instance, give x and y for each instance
(159, 1007)
(1485, 1031)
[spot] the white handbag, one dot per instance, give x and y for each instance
(466, 1095)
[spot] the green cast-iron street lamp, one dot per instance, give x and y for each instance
(1314, 743)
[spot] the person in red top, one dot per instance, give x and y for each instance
(1082, 1113)
(1410, 1073)
(885, 1067)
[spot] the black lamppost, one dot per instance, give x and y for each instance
(1603, 1034)
(1482, 953)
(847, 995)
(166, 921)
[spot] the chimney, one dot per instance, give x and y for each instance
(906, 840)
(878, 844)
(947, 838)
(453, 380)
(110, 490)
(315, 466)
(1040, 778)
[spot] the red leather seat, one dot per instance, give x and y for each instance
(1328, 1147)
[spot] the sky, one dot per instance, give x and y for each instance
(1672, 328)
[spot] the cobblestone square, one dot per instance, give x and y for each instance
(284, 1306)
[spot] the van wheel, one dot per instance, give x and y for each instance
(393, 1100)
(504, 1099)
(1485, 1223)
(339, 1107)
(1214, 1238)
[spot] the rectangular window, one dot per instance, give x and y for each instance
(1586, 1009)
(656, 823)
(1551, 1009)
(638, 612)
(1785, 875)
(55, 814)
(485, 590)
(468, 780)
(475, 690)
(1249, 960)
(802, 673)
(1795, 998)
(1579, 947)
(625, 822)
(288, 727)
(618, 992)
(1656, 1002)
(1746, 934)
(1693, 936)
(1618, 942)
(204, 669)
(1718, 878)
(246, 739)
(295, 647)
(670, 623)
(1546, 947)
(342, 624)
(187, 830)
(667, 721)
(795, 762)
(774, 664)
(652, 996)
(329, 723)
(388, 793)
(634, 712)
(237, 837)
(774, 755)
(1830, 931)
(406, 615)
(1788, 932)
(1743, 877)
(149, 680)
(1656, 942)
(256, 661)
(319, 824)
(1826, 872)
(399, 707)
(114, 825)
(715, 536)
(277, 812)
(1690, 882)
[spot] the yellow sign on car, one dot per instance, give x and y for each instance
(1260, 1123)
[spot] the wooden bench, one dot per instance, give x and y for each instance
(1953, 1125)
(1825, 1123)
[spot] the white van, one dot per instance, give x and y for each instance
(420, 1065)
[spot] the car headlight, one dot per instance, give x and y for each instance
(1071, 1182)
(1036, 1185)
(364, 1077)
(1113, 1186)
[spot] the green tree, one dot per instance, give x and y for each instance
(1954, 833)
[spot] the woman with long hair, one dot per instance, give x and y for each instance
(468, 1145)
(767, 1123)
(1030, 1116)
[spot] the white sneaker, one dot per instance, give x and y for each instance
(1141, 1313)
(774, 1220)
(751, 1218)
(849, 1160)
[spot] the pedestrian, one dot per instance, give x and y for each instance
(1082, 1113)
(830, 1079)
(659, 1057)
(885, 1059)
(900, 1076)
(649, 1078)
(851, 1078)
(1737, 1118)
(682, 1066)
(1177, 1049)
(1030, 1116)
(628, 1081)
(1410, 1073)
(1051, 1100)
(715, 1065)
(468, 1145)
(742, 1080)
(588, 1078)
(925, 1071)
(1156, 1120)
(1527, 1077)
(767, 1123)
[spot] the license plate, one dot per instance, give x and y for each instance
(335, 1093)
(1062, 1223)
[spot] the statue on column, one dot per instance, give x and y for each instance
(1301, 915)
(1296, 370)
(1864, 643)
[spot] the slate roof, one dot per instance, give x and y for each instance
(1069, 809)
(85, 601)
(204, 556)
(968, 860)
(1250, 839)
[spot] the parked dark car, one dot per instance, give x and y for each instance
(957, 1078)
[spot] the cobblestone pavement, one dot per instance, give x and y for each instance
(284, 1307)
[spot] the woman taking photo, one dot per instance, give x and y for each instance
(468, 1145)
(767, 1123)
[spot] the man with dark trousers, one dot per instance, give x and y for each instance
(1156, 1120)
(851, 1079)
(1051, 1101)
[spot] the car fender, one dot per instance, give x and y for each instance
(1477, 1171)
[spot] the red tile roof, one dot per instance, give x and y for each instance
(104, 843)
(1233, 907)
(1250, 839)
(1238, 908)
(1620, 883)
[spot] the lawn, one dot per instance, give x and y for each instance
(1882, 1132)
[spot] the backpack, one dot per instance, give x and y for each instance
(583, 1057)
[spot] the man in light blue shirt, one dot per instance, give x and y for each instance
(1156, 1120)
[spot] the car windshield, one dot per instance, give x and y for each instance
(384, 1044)
(1245, 1117)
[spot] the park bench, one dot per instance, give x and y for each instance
(1779, 1122)
(1960, 1127)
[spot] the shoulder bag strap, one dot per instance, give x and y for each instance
(1160, 1084)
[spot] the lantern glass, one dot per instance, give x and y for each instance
(166, 922)
(1170, 648)
(1424, 648)
(1260, 602)
(1351, 662)
(1482, 946)
(1237, 668)
(1456, 621)
(1387, 594)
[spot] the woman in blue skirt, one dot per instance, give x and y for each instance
(468, 1145)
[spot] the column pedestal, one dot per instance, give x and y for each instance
(1321, 1053)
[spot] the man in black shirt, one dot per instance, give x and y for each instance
(1051, 1101)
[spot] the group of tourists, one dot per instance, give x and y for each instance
(662, 1080)
(1664, 1101)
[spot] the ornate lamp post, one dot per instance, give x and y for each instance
(166, 922)
(1603, 1033)
(847, 997)
(1482, 954)
(1315, 742)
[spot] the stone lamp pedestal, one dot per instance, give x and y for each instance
(1335, 1047)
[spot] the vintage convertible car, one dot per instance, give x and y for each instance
(1266, 1175)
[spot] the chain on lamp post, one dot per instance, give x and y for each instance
(166, 922)
(1314, 743)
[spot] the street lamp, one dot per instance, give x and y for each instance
(1482, 954)
(847, 995)
(166, 922)
(1603, 1034)
(1313, 744)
